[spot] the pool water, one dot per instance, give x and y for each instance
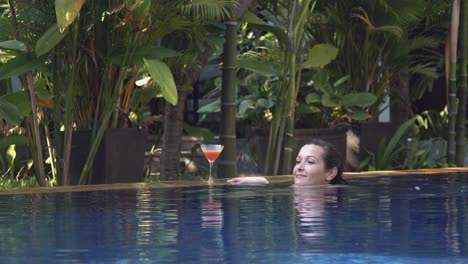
(402, 219)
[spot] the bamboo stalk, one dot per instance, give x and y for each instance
(296, 28)
(228, 161)
(50, 148)
(452, 100)
(70, 109)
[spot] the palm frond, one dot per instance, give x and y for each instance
(210, 9)
(172, 24)
(437, 12)
(181, 61)
(420, 42)
(419, 87)
(426, 69)
(396, 31)
(407, 13)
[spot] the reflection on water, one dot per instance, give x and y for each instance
(310, 204)
(372, 220)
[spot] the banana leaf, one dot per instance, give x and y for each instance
(49, 39)
(20, 65)
(140, 54)
(13, 107)
(12, 45)
(161, 75)
(13, 140)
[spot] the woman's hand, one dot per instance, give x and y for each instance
(248, 181)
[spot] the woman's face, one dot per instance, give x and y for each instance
(310, 167)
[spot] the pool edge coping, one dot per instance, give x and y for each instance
(218, 182)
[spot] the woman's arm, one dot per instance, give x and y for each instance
(251, 180)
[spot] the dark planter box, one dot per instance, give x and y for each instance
(79, 153)
(120, 157)
(364, 139)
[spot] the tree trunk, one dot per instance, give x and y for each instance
(173, 127)
(462, 90)
(400, 105)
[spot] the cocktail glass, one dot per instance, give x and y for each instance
(211, 152)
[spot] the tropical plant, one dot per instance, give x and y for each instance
(19, 60)
(379, 42)
(389, 152)
(257, 104)
(256, 99)
(8, 141)
(432, 124)
(15, 170)
(8, 183)
(95, 51)
(396, 153)
(333, 99)
(420, 154)
(108, 50)
(286, 50)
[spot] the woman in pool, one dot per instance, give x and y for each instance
(317, 163)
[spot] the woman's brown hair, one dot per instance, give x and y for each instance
(332, 158)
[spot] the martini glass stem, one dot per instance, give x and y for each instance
(210, 179)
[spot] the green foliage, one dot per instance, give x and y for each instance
(161, 74)
(257, 100)
(419, 155)
(333, 96)
(66, 12)
(388, 154)
(140, 54)
(198, 132)
(17, 173)
(50, 39)
(21, 102)
(9, 112)
(432, 124)
(6, 141)
(12, 45)
(8, 183)
(209, 9)
(19, 65)
(395, 154)
(376, 40)
(259, 66)
(212, 107)
(6, 29)
(262, 75)
(320, 55)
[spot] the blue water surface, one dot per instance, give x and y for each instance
(401, 219)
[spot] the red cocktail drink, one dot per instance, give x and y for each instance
(211, 152)
(211, 155)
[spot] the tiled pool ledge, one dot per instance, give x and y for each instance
(169, 184)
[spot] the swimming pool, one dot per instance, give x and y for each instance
(400, 219)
